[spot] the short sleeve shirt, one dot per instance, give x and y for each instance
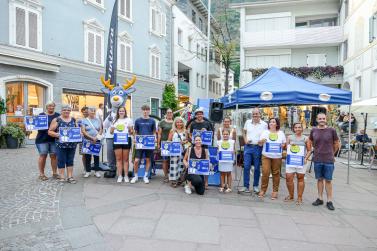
(165, 127)
(254, 131)
(272, 138)
(200, 125)
(42, 136)
(122, 125)
(323, 141)
(145, 126)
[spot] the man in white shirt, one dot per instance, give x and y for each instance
(252, 151)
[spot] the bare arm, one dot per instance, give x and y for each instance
(244, 134)
(171, 133)
(185, 159)
(218, 135)
(159, 135)
(309, 145)
(336, 145)
(51, 131)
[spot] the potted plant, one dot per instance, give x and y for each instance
(13, 135)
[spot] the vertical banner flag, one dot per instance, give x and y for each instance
(112, 46)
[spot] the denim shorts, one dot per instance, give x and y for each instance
(323, 170)
(46, 148)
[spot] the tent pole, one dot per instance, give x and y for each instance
(349, 144)
(236, 172)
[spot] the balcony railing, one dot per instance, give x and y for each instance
(214, 69)
(319, 36)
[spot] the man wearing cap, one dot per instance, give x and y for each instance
(252, 151)
(200, 123)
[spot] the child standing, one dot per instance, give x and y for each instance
(226, 146)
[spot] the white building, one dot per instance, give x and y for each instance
(359, 55)
(289, 33)
(190, 50)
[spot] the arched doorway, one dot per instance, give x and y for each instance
(25, 95)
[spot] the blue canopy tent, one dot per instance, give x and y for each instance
(276, 87)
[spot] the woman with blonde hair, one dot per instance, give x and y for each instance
(178, 133)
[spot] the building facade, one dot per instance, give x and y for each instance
(190, 52)
(55, 50)
(289, 33)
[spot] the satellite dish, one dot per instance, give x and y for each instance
(324, 97)
(266, 96)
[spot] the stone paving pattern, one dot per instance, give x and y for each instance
(98, 214)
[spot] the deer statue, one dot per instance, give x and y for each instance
(117, 97)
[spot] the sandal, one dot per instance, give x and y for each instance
(221, 189)
(288, 199)
(55, 176)
(166, 179)
(228, 190)
(43, 177)
(71, 180)
(299, 202)
(174, 184)
(274, 195)
(261, 194)
(60, 179)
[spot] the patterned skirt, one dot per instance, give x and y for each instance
(176, 167)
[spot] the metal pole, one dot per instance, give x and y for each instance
(349, 144)
(208, 43)
(363, 139)
(236, 172)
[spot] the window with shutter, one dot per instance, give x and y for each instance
(125, 9)
(157, 67)
(372, 28)
(128, 58)
(163, 24)
(25, 25)
(94, 42)
(20, 27)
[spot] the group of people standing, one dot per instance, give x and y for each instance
(263, 146)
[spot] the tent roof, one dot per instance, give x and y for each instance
(276, 87)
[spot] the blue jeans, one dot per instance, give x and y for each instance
(65, 157)
(46, 148)
(252, 156)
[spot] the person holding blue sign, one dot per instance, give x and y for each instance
(85, 114)
(196, 152)
(92, 130)
(65, 149)
(226, 148)
(144, 126)
(273, 141)
(298, 153)
(164, 127)
(177, 134)
(122, 130)
(46, 144)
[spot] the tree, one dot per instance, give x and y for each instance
(223, 41)
(169, 99)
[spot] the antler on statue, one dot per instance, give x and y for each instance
(106, 83)
(129, 83)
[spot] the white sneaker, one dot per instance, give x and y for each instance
(126, 179)
(120, 178)
(146, 180)
(97, 174)
(134, 179)
(87, 174)
(188, 189)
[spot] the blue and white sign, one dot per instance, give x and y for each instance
(89, 148)
(198, 166)
(169, 148)
(69, 134)
(273, 147)
(145, 142)
(120, 138)
(39, 122)
(226, 156)
(295, 156)
(205, 135)
(213, 159)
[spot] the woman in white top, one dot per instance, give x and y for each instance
(177, 134)
(297, 139)
(122, 125)
(273, 141)
(227, 124)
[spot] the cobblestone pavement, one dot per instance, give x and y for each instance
(25, 201)
(99, 214)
